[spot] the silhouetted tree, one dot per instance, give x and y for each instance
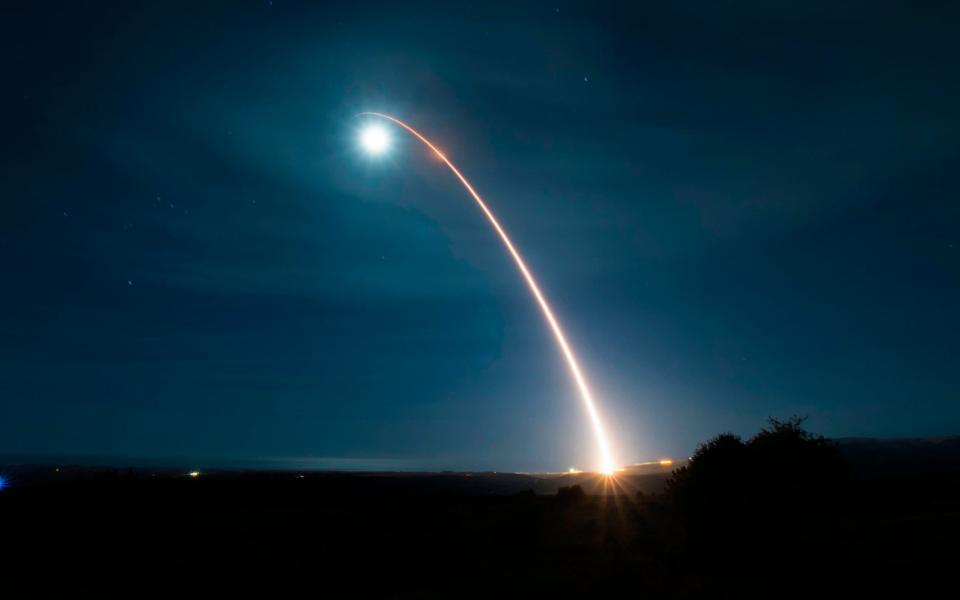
(734, 493)
(715, 479)
(794, 466)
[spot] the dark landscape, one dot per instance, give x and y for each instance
(799, 531)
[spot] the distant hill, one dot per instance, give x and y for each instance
(875, 457)
(870, 458)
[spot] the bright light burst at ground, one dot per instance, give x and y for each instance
(3, 483)
(374, 139)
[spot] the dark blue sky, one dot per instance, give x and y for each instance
(738, 211)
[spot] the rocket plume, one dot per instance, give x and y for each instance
(606, 461)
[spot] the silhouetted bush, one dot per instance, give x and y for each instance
(714, 481)
(793, 465)
(742, 487)
(570, 494)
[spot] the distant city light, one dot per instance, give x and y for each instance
(194, 474)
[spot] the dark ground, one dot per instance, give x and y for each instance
(142, 533)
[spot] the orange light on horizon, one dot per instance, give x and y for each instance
(665, 462)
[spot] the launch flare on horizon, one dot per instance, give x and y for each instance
(376, 140)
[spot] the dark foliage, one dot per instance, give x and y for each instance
(570, 494)
(772, 516)
(762, 504)
(783, 467)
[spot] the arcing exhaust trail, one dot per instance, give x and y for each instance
(607, 464)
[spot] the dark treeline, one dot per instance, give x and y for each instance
(781, 514)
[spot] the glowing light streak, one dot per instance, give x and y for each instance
(606, 460)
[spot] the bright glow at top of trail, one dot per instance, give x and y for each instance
(374, 139)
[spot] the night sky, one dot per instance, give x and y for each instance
(737, 212)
